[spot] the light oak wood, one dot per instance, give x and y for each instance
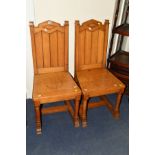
(38, 117)
(91, 40)
(91, 44)
(54, 109)
(49, 45)
(50, 69)
(46, 47)
(52, 87)
(52, 81)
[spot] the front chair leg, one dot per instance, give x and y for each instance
(84, 112)
(37, 115)
(76, 112)
(116, 111)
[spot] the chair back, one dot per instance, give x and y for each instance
(49, 47)
(91, 39)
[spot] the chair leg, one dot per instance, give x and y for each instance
(38, 119)
(116, 111)
(84, 112)
(76, 112)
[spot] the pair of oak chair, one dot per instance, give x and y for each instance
(52, 80)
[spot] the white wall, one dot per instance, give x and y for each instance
(29, 63)
(71, 10)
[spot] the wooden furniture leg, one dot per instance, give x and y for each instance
(116, 111)
(84, 112)
(76, 112)
(37, 114)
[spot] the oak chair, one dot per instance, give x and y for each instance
(52, 81)
(91, 39)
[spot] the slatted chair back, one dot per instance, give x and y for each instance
(91, 39)
(49, 47)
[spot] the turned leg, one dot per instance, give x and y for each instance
(116, 112)
(76, 112)
(84, 112)
(37, 114)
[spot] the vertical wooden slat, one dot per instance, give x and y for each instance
(100, 47)
(61, 53)
(105, 42)
(94, 47)
(39, 52)
(33, 47)
(82, 47)
(66, 25)
(54, 49)
(77, 25)
(87, 47)
(46, 49)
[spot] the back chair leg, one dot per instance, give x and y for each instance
(38, 117)
(116, 112)
(84, 111)
(76, 112)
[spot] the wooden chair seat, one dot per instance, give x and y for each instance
(53, 87)
(96, 82)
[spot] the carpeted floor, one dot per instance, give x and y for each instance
(103, 136)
